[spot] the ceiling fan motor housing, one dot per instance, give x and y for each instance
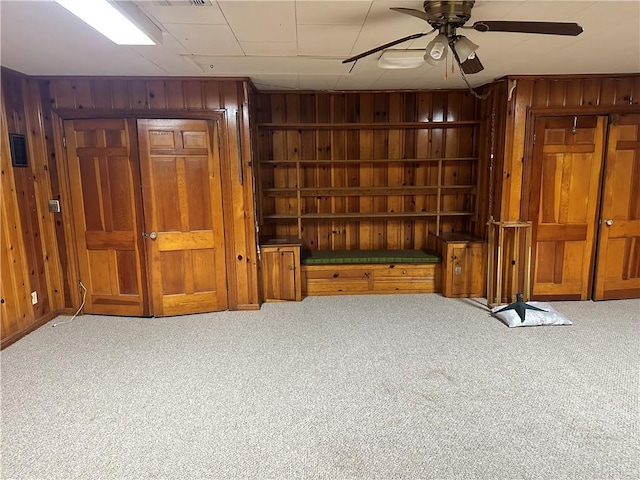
(455, 13)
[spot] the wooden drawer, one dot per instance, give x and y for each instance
(336, 278)
(405, 278)
(383, 278)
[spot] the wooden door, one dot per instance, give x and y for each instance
(180, 167)
(618, 258)
(563, 206)
(105, 190)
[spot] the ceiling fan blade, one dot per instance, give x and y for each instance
(386, 45)
(547, 28)
(414, 13)
(472, 65)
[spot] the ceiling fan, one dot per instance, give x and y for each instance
(448, 16)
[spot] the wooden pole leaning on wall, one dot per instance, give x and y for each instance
(509, 262)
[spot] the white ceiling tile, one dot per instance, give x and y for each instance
(326, 40)
(170, 57)
(317, 82)
(179, 13)
(546, 11)
(270, 49)
(398, 77)
(355, 82)
(270, 65)
(206, 39)
(255, 21)
(276, 82)
(332, 12)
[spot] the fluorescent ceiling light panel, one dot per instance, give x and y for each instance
(392, 59)
(115, 21)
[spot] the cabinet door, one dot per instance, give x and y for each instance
(105, 188)
(466, 270)
(279, 275)
(183, 216)
(618, 267)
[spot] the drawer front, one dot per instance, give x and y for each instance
(418, 279)
(405, 271)
(328, 279)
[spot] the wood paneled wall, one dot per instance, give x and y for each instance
(493, 115)
(38, 253)
(192, 98)
(587, 95)
(517, 100)
(367, 170)
(32, 237)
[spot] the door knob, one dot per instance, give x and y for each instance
(153, 235)
(608, 222)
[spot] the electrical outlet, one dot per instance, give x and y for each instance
(34, 297)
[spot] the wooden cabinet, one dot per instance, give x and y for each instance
(463, 263)
(280, 270)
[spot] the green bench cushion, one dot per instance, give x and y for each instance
(331, 257)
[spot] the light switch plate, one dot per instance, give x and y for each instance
(54, 206)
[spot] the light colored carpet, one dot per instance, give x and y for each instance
(357, 387)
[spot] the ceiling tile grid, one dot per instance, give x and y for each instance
(300, 44)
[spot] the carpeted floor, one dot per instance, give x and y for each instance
(357, 387)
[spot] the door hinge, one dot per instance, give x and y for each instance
(64, 142)
(534, 138)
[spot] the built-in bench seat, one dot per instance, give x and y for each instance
(348, 272)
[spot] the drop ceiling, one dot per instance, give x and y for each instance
(300, 44)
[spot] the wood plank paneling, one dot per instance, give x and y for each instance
(179, 97)
(43, 251)
(531, 97)
(30, 261)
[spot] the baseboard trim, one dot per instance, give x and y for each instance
(28, 329)
(248, 306)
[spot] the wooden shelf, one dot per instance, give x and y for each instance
(367, 125)
(368, 191)
(365, 216)
(360, 161)
(430, 165)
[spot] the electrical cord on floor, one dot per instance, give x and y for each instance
(84, 298)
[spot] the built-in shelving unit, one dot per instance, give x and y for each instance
(343, 181)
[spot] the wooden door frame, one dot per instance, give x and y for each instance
(533, 114)
(59, 116)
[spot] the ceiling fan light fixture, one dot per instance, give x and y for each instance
(465, 48)
(395, 59)
(436, 51)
